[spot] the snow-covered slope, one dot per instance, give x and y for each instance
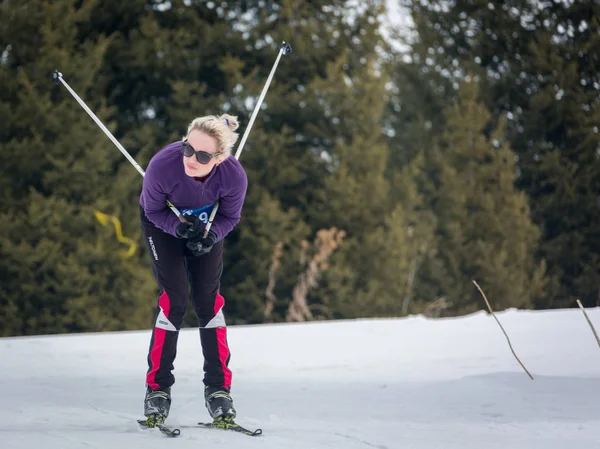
(390, 383)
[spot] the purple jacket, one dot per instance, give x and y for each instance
(166, 180)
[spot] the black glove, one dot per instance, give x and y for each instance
(192, 228)
(202, 245)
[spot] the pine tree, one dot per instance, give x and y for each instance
(559, 161)
(368, 274)
(62, 270)
(538, 65)
(484, 229)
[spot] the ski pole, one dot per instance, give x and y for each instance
(57, 78)
(284, 49)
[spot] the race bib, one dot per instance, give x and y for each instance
(201, 212)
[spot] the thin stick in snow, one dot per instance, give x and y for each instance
(588, 320)
(508, 339)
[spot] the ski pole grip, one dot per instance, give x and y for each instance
(56, 76)
(287, 48)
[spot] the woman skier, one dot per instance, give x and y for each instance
(192, 174)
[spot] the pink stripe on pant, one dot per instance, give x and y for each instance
(159, 342)
(222, 346)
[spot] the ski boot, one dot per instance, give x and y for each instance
(157, 403)
(219, 404)
(220, 407)
(156, 408)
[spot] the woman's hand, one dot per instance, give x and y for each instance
(202, 245)
(189, 230)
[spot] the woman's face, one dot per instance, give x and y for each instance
(200, 142)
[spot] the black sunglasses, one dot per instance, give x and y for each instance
(201, 156)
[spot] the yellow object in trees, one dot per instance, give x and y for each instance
(104, 219)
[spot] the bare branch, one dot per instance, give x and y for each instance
(508, 339)
(324, 245)
(588, 320)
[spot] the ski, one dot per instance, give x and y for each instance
(230, 425)
(153, 422)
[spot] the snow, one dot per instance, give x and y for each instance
(378, 383)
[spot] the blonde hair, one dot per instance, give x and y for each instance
(221, 127)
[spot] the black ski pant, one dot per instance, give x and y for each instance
(179, 273)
